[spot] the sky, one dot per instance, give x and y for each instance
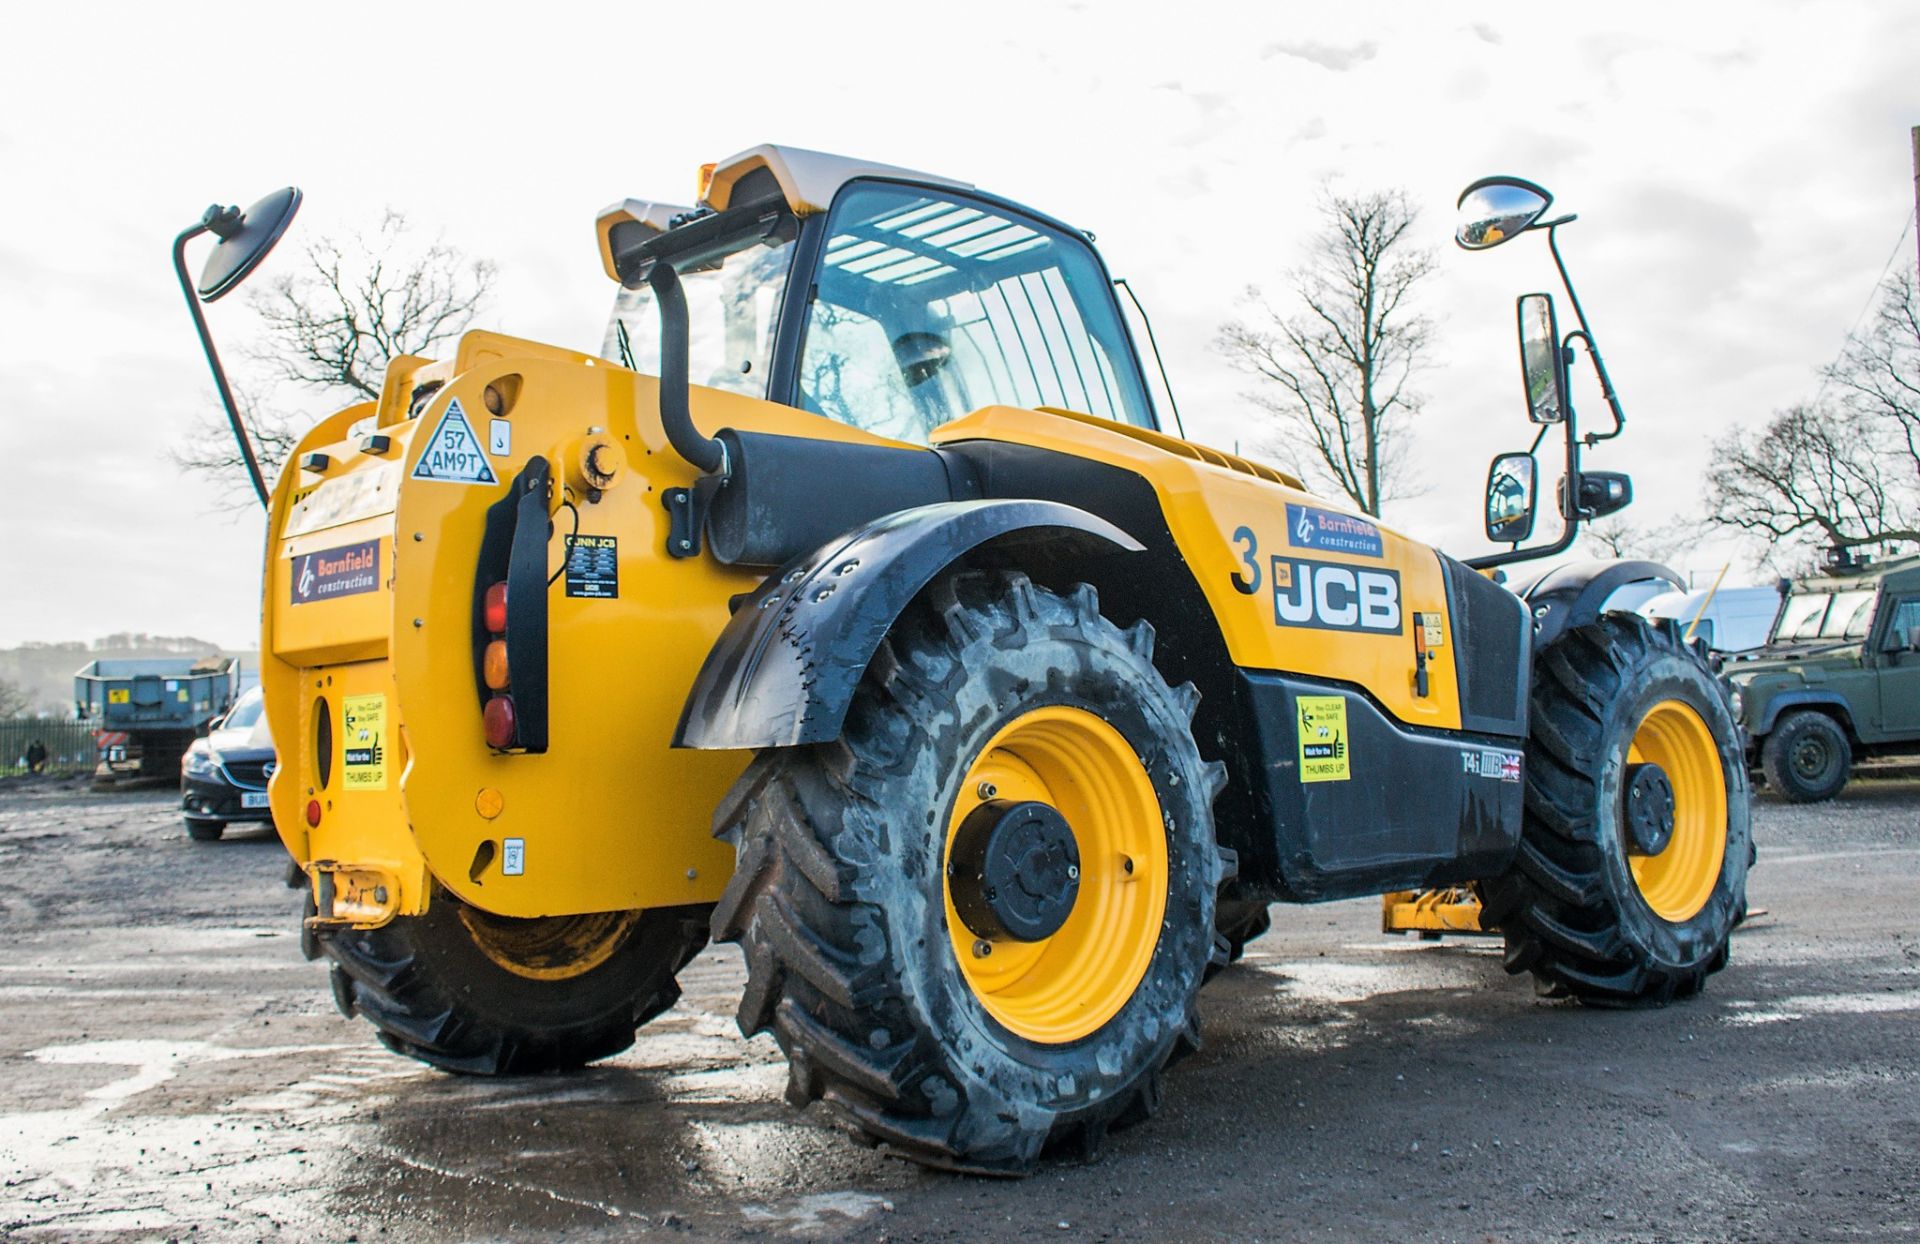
(1742, 174)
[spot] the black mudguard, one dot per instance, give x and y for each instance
(784, 670)
(1571, 596)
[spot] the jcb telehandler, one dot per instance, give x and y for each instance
(906, 651)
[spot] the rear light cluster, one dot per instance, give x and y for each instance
(497, 718)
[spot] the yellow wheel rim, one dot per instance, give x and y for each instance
(549, 948)
(1064, 987)
(1678, 882)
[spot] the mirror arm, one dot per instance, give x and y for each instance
(1585, 334)
(215, 221)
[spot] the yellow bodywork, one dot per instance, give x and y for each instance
(1454, 909)
(613, 817)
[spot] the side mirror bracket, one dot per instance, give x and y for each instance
(245, 238)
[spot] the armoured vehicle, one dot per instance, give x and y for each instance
(1838, 682)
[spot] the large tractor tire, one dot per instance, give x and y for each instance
(489, 995)
(1807, 758)
(1632, 869)
(1239, 921)
(1014, 756)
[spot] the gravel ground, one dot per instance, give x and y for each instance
(176, 1070)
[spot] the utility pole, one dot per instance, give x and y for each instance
(1916, 187)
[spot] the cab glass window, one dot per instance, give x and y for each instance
(929, 307)
(1848, 618)
(733, 310)
(1803, 615)
(1903, 623)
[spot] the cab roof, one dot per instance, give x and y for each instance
(807, 180)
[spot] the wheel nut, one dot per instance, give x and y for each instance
(982, 948)
(1073, 871)
(1126, 863)
(988, 790)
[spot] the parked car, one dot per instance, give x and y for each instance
(1838, 682)
(223, 777)
(1736, 619)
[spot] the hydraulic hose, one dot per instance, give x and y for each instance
(676, 416)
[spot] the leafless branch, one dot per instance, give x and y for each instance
(1336, 369)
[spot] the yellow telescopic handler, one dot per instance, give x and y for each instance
(853, 606)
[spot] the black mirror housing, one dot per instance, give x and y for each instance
(245, 238)
(1497, 209)
(1603, 493)
(1511, 498)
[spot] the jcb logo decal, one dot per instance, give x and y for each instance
(1333, 597)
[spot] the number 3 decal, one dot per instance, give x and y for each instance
(1250, 583)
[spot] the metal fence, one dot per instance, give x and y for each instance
(69, 744)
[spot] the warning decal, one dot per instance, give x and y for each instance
(365, 758)
(1323, 739)
(453, 453)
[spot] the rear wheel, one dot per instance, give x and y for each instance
(1807, 757)
(1633, 857)
(1239, 921)
(977, 923)
(473, 992)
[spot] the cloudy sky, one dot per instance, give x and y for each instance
(1741, 171)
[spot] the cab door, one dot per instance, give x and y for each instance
(1899, 668)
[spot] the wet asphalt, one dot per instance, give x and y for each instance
(175, 1070)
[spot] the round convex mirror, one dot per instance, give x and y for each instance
(1495, 209)
(245, 242)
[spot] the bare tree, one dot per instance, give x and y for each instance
(1621, 538)
(1878, 374)
(1845, 474)
(333, 325)
(1338, 366)
(1813, 476)
(14, 700)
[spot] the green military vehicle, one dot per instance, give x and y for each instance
(1838, 682)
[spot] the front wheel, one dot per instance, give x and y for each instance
(206, 831)
(1633, 858)
(1807, 757)
(978, 922)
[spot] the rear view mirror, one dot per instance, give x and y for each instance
(1494, 209)
(1543, 362)
(245, 238)
(1510, 498)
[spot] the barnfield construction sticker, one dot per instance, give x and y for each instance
(365, 719)
(453, 455)
(1323, 738)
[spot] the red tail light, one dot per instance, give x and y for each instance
(313, 814)
(499, 722)
(495, 608)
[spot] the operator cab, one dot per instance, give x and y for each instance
(922, 299)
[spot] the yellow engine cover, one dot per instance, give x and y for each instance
(369, 661)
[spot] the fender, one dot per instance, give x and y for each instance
(1571, 596)
(1802, 699)
(783, 672)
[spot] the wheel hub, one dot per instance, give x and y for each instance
(1014, 872)
(1650, 806)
